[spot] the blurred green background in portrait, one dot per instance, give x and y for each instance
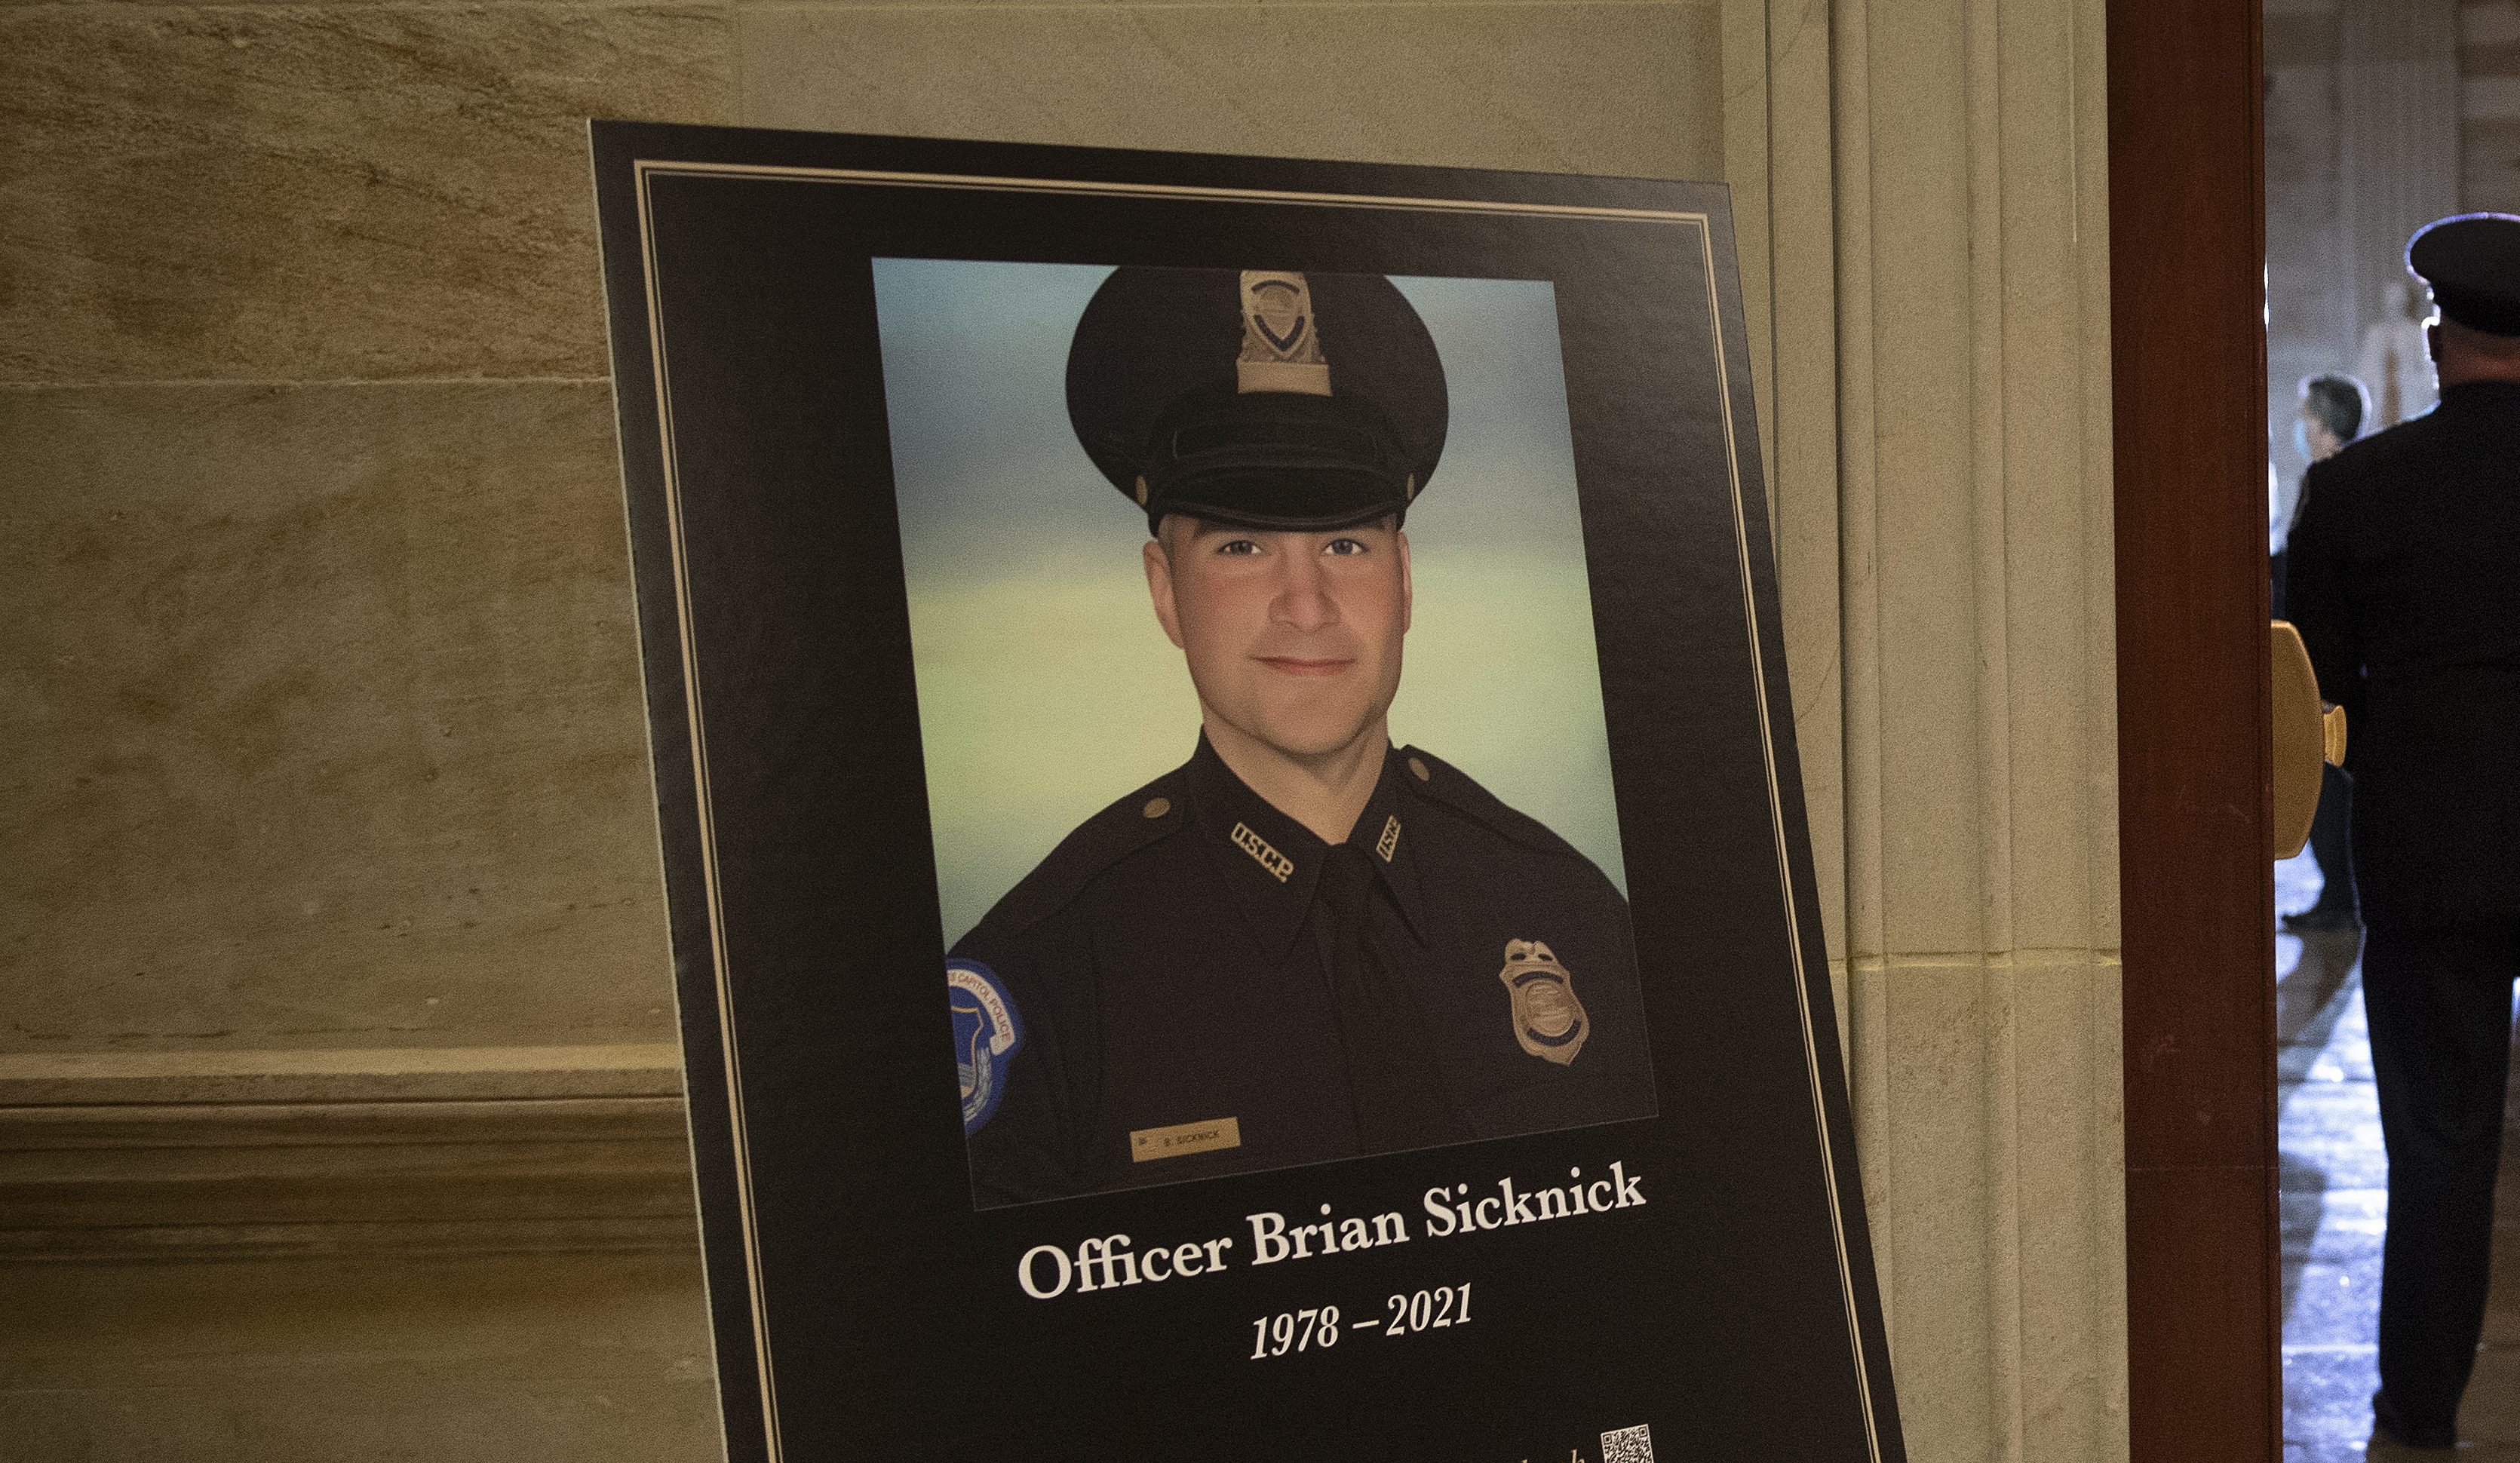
(1046, 688)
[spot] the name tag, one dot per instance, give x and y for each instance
(1183, 1138)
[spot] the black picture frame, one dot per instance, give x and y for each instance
(862, 1308)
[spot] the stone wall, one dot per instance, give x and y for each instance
(326, 720)
(2489, 105)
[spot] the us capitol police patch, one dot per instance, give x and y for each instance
(1548, 1020)
(987, 1034)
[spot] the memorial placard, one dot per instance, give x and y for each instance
(1274, 667)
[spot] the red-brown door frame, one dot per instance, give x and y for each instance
(2186, 254)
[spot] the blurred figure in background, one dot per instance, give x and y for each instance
(2394, 361)
(2334, 408)
(2401, 570)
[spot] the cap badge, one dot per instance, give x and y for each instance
(1282, 344)
(1548, 1020)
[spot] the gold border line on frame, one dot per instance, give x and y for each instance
(689, 656)
(645, 169)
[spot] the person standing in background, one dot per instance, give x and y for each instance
(2401, 572)
(2334, 408)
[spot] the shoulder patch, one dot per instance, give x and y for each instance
(1459, 791)
(1153, 812)
(987, 1035)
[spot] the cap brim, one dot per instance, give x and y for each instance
(1308, 499)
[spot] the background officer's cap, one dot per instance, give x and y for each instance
(2472, 262)
(1258, 397)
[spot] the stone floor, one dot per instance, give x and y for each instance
(2335, 1207)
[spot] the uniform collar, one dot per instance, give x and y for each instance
(2480, 391)
(1272, 862)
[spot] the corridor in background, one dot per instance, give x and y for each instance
(2378, 119)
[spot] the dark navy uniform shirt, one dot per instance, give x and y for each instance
(1170, 970)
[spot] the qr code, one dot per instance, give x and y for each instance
(1627, 1445)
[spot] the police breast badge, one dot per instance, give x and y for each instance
(986, 1037)
(1548, 1020)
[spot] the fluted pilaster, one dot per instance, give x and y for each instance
(1924, 211)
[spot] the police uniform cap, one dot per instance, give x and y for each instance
(2472, 262)
(1267, 399)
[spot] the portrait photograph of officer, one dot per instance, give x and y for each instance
(1230, 882)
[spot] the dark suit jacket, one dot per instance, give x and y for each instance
(2405, 581)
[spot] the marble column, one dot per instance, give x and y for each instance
(1923, 184)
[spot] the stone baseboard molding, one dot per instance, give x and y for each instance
(188, 1155)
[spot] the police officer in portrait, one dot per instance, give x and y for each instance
(1304, 944)
(2402, 571)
